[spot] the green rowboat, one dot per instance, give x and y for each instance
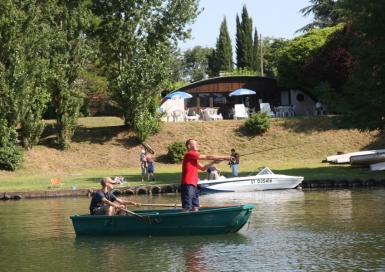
(216, 220)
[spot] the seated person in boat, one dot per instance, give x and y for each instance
(190, 167)
(105, 203)
(213, 172)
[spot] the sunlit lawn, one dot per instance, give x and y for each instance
(170, 174)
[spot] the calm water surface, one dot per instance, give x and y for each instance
(291, 230)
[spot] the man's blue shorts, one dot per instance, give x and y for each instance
(189, 196)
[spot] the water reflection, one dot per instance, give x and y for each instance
(289, 230)
(156, 253)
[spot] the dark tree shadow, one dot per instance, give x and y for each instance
(243, 132)
(310, 124)
(163, 158)
(129, 142)
(379, 143)
(97, 135)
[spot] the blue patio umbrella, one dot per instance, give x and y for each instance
(178, 94)
(242, 91)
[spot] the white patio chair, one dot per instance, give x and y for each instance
(213, 114)
(240, 112)
(193, 117)
(265, 107)
(178, 115)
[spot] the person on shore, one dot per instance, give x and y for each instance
(190, 167)
(150, 166)
(234, 162)
(104, 202)
(143, 164)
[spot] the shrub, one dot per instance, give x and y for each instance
(11, 157)
(176, 152)
(258, 123)
(146, 125)
(11, 154)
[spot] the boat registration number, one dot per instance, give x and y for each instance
(259, 181)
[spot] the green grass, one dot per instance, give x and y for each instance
(293, 146)
(170, 174)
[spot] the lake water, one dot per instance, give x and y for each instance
(290, 230)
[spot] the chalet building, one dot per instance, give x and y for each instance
(214, 93)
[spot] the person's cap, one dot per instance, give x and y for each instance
(143, 151)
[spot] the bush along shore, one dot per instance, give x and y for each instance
(174, 188)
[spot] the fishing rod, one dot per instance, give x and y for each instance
(264, 150)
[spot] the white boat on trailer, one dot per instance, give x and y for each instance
(264, 180)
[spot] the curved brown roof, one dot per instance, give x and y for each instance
(227, 84)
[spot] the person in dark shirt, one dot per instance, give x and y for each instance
(234, 162)
(105, 203)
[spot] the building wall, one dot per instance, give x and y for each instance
(214, 92)
(302, 102)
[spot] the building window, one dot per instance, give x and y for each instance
(219, 99)
(300, 97)
(204, 100)
(191, 102)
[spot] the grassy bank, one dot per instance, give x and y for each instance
(104, 147)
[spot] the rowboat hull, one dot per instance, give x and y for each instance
(219, 220)
(251, 183)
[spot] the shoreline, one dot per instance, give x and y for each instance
(173, 188)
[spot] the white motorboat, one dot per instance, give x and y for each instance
(264, 180)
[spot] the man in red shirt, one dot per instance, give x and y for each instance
(190, 166)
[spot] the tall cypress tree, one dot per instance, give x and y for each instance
(239, 44)
(256, 52)
(222, 57)
(224, 49)
(244, 40)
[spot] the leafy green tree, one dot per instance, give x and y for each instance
(293, 56)
(136, 39)
(244, 40)
(22, 47)
(326, 14)
(221, 59)
(10, 153)
(271, 52)
(68, 21)
(196, 63)
(364, 91)
(332, 64)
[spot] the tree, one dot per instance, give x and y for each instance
(68, 21)
(326, 14)
(22, 52)
(293, 56)
(244, 40)
(271, 51)
(136, 40)
(196, 63)
(256, 63)
(364, 91)
(333, 63)
(221, 59)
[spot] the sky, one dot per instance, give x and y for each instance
(272, 18)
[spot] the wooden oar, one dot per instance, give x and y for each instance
(138, 216)
(160, 205)
(180, 206)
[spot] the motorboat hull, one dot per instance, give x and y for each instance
(251, 183)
